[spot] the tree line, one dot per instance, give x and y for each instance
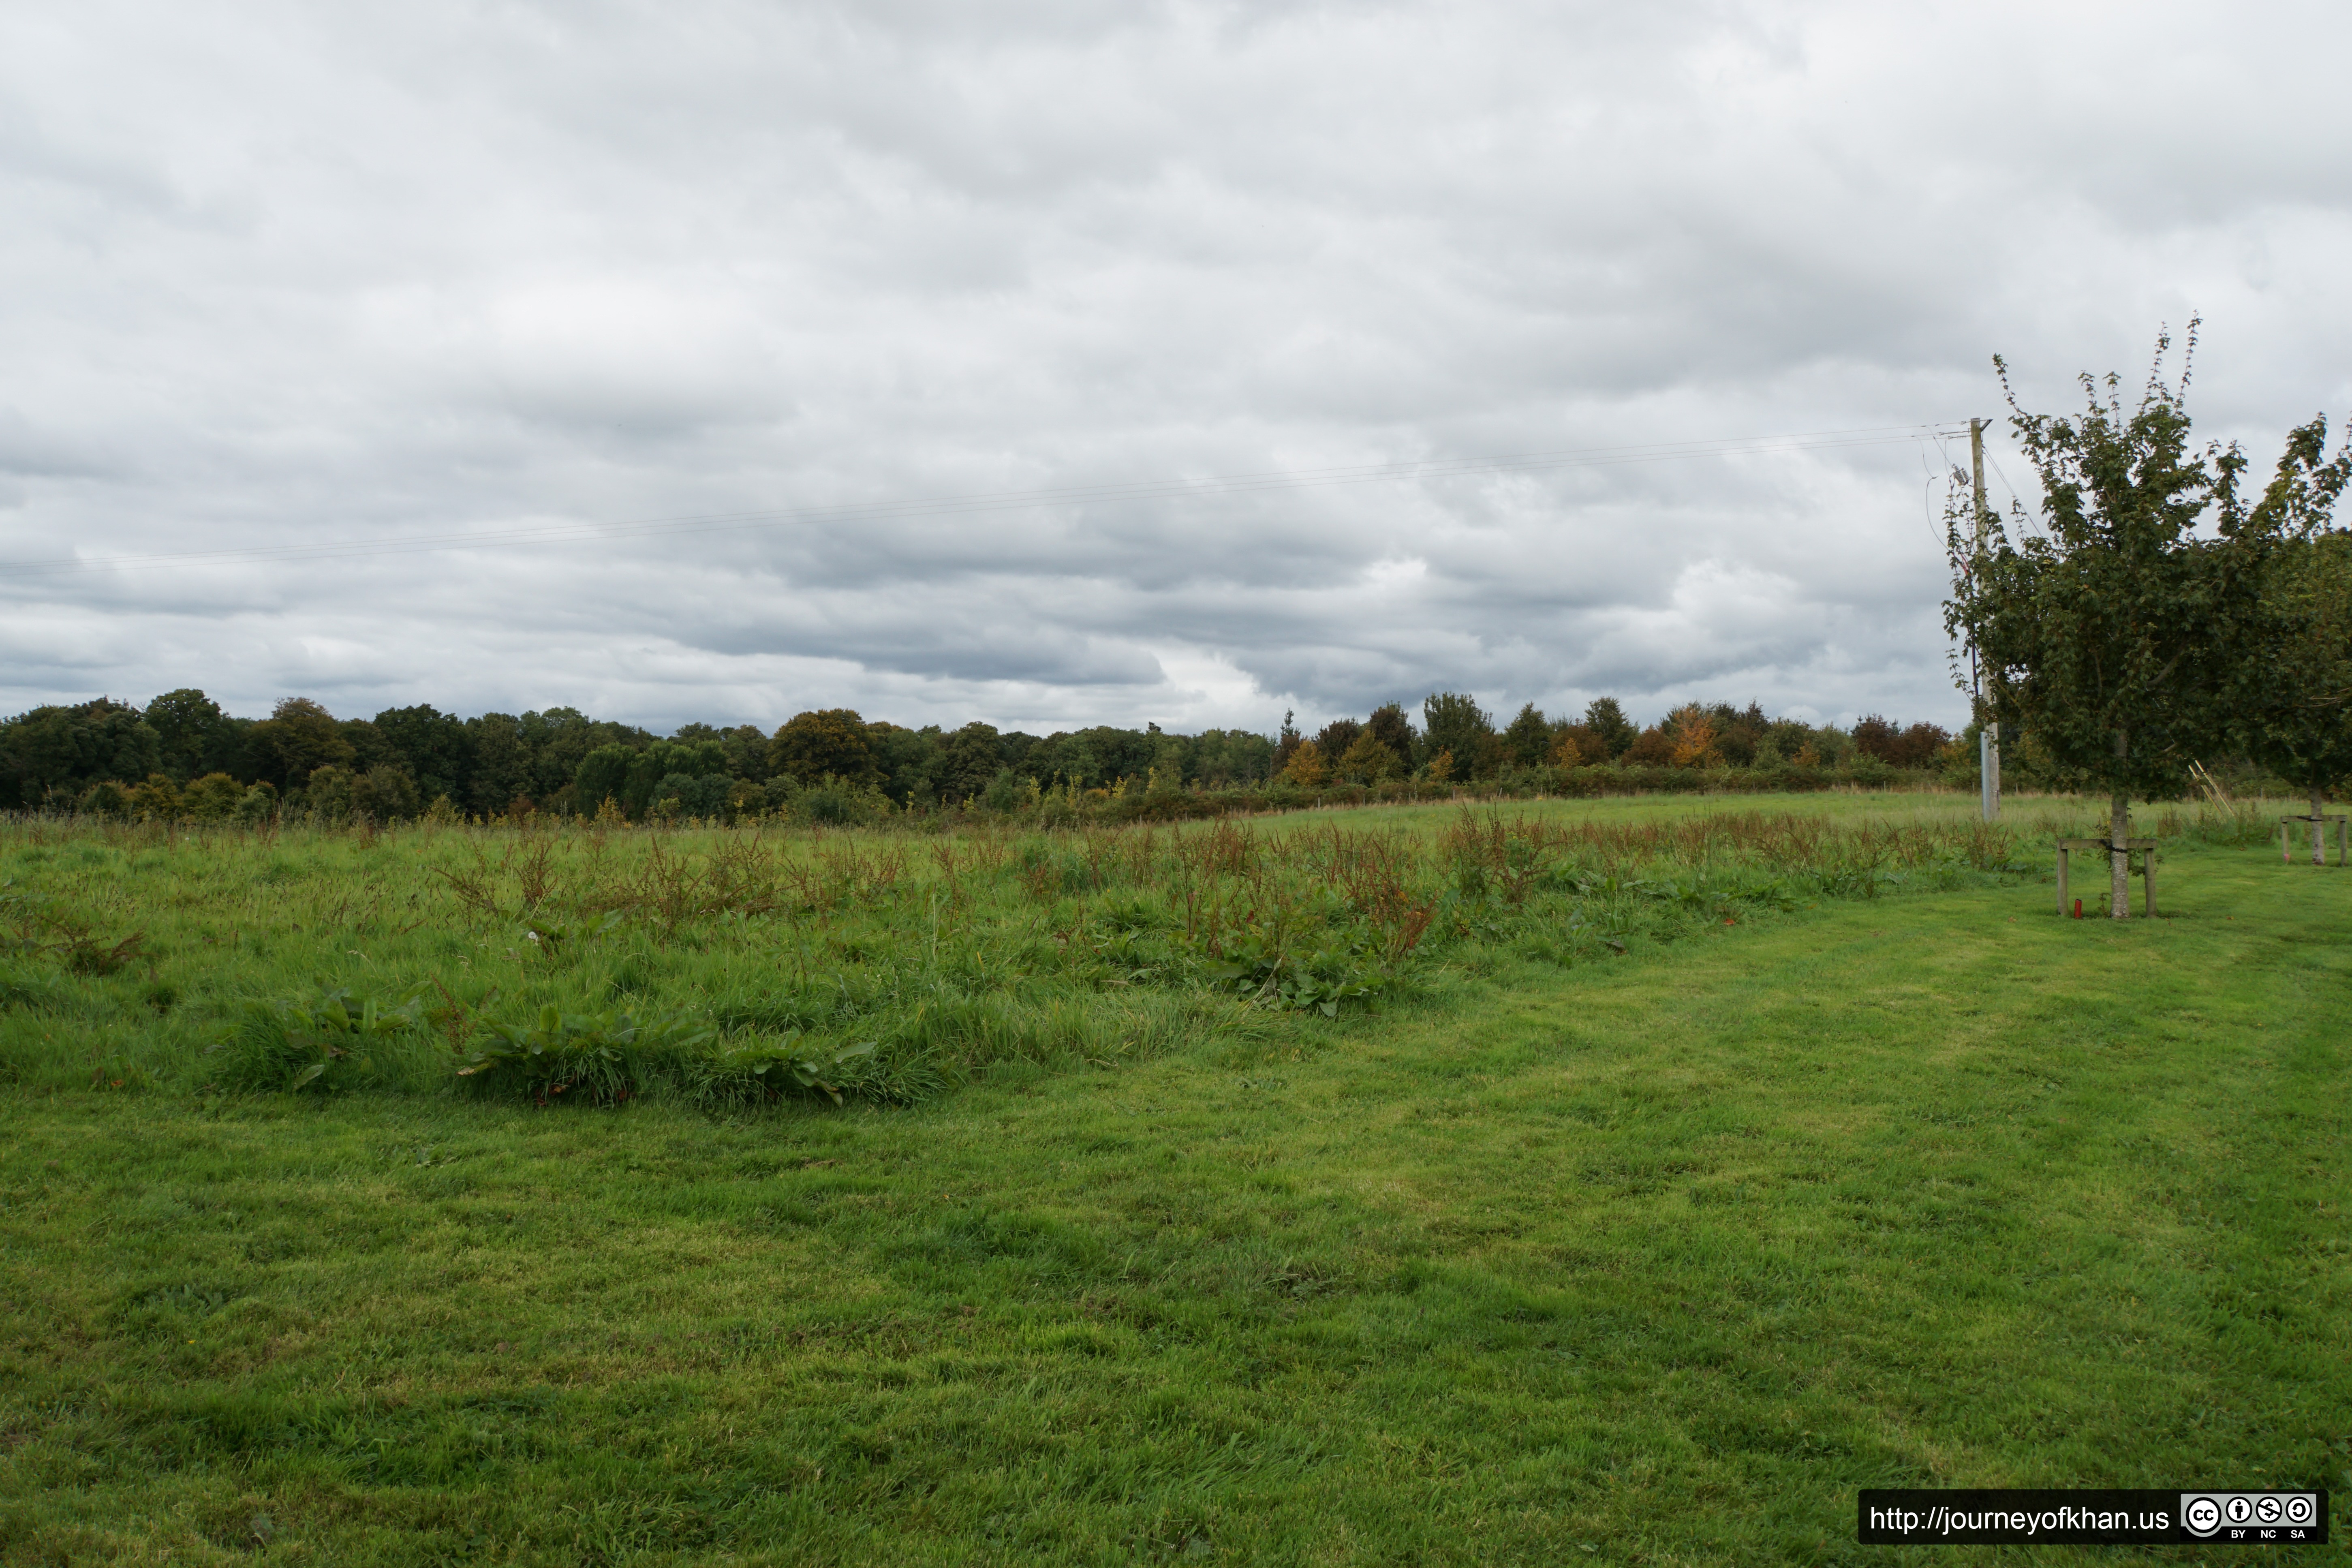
(181, 756)
(1459, 740)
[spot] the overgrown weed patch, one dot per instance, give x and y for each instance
(908, 963)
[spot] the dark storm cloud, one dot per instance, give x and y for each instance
(279, 276)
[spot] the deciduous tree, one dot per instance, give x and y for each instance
(1874, 736)
(192, 733)
(829, 741)
(1651, 748)
(1527, 740)
(1692, 731)
(1390, 725)
(62, 752)
(1452, 722)
(437, 748)
(2108, 633)
(967, 761)
(298, 738)
(1287, 743)
(1334, 739)
(1606, 718)
(1369, 760)
(603, 775)
(2293, 705)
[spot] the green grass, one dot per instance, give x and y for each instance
(1555, 1255)
(139, 955)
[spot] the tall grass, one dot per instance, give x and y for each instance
(856, 962)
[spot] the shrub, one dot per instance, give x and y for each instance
(682, 795)
(765, 1071)
(1865, 770)
(335, 1042)
(837, 801)
(386, 793)
(746, 798)
(601, 1057)
(1008, 791)
(330, 793)
(212, 798)
(259, 805)
(1320, 980)
(37, 925)
(105, 798)
(156, 800)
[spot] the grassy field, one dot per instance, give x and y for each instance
(147, 956)
(1684, 1172)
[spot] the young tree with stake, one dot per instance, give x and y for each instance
(2114, 635)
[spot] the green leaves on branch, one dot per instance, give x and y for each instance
(2295, 709)
(2097, 632)
(2140, 624)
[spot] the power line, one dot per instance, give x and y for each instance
(2016, 501)
(1927, 494)
(1207, 488)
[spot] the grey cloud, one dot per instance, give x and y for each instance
(31, 452)
(304, 277)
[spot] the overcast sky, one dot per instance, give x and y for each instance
(279, 275)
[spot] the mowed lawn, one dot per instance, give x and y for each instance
(1650, 1261)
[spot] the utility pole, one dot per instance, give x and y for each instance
(1988, 733)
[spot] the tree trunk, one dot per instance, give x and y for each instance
(2118, 840)
(2318, 827)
